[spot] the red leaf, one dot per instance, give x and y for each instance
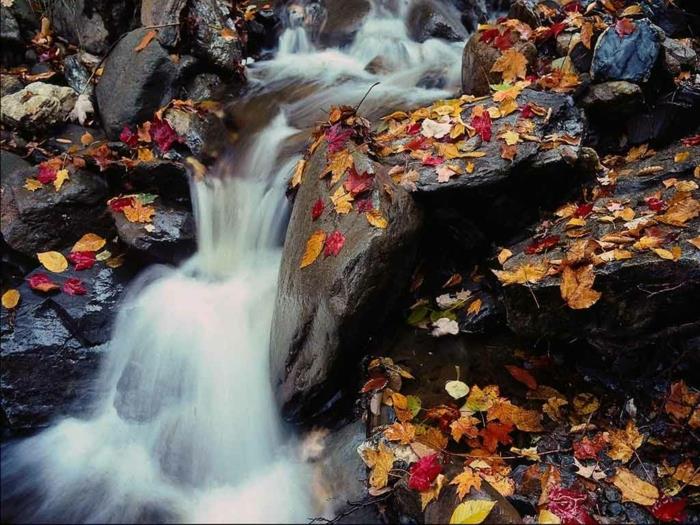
(413, 129)
(423, 472)
(444, 415)
(317, 210)
(46, 174)
(82, 260)
(482, 125)
(489, 35)
(584, 210)
(119, 203)
(128, 137)
(41, 283)
(522, 375)
(376, 383)
(670, 510)
(526, 111)
(163, 134)
(357, 183)
(540, 245)
(693, 140)
(336, 137)
(432, 160)
(573, 7)
(588, 448)
(363, 205)
(568, 505)
(74, 286)
(419, 142)
(503, 42)
(655, 204)
(334, 243)
(557, 28)
(625, 27)
(496, 433)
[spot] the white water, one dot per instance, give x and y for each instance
(187, 430)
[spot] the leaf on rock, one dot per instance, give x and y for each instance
(53, 261)
(680, 212)
(74, 286)
(42, 283)
(117, 204)
(480, 400)
(317, 209)
(589, 448)
(61, 177)
(504, 255)
(376, 219)
(314, 247)
(464, 426)
(380, 462)
(83, 260)
(404, 433)
(474, 307)
(423, 472)
(569, 505)
(577, 287)
(681, 401)
(137, 212)
(465, 481)
(433, 492)
(90, 242)
(298, 172)
(357, 183)
(625, 27)
(512, 64)
(46, 173)
(334, 243)
(496, 433)
(342, 201)
(624, 442)
(336, 137)
(522, 375)
(456, 389)
(432, 128)
(10, 299)
(32, 184)
(481, 122)
(147, 38)
(523, 274)
(669, 510)
(635, 489)
(163, 134)
(471, 512)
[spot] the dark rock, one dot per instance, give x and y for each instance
(161, 12)
(165, 178)
(134, 84)
(263, 32)
(9, 163)
(638, 514)
(645, 298)
(170, 238)
(11, 44)
(679, 19)
(630, 57)
(474, 12)
(339, 22)
(93, 25)
(679, 56)
(526, 11)
(46, 219)
(613, 99)
(204, 135)
(38, 107)
(10, 84)
(51, 347)
(429, 19)
(326, 313)
(206, 19)
(202, 86)
(76, 74)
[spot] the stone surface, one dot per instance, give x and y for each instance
(202, 86)
(11, 44)
(614, 98)
(46, 219)
(430, 19)
(206, 18)
(326, 313)
(134, 84)
(679, 56)
(52, 345)
(38, 107)
(631, 57)
(162, 12)
(204, 135)
(337, 25)
(9, 84)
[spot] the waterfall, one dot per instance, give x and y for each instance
(187, 430)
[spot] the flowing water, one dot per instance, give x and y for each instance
(187, 430)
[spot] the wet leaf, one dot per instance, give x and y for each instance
(147, 38)
(482, 124)
(376, 383)
(433, 492)
(577, 287)
(423, 472)
(522, 375)
(90, 242)
(523, 274)
(464, 426)
(404, 433)
(681, 401)
(624, 442)
(669, 510)
(471, 512)
(334, 243)
(504, 255)
(481, 400)
(83, 260)
(46, 173)
(163, 134)
(117, 204)
(512, 64)
(496, 433)
(137, 212)
(376, 219)
(456, 389)
(635, 489)
(547, 517)
(61, 177)
(465, 481)
(317, 209)
(32, 184)
(41, 283)
(589, 448)
(474, 307)
(585, 404)
(380, 462)
(314, 247)
(53, 261)
(74, 286)
(10, 299)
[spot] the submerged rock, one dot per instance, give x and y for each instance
(38, 107)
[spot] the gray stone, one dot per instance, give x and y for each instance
(161, 12)
(209, 18)
(202, 134)
(38, 107)
(9, 84)
(337, 25)
(134, 84)
(9, 163)
(679, 56)
(614, 98)
(45, 219)
(11, 44)
(631, 57)
(429, 19)
(203, 86)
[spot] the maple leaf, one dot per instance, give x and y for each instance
(342, 201)
(117, 204)
(317, 209)
(523, 274)
(464, 426)
(540, 245)
(577, 287)
(625, 27)
(670, 510)
(314, 247)
(380, 462)
(523, 419)
(465, 481)
(482, 124)
(82, 260)
(41, 283)
(404, 433)
(587, 448)
(496, 433)
(443, 415)
(163, 134)
(357, 183)
(46, 173)
(523, 376)
(376, 219)
(512, 64)
(336, 137)
(423, 472)
(129, 137)
(74, 286)
(681, 401)
(509, 152)
(480, 400)
(32, 184)
(624, 442)
(339, 163)
(364, 205)
(137, 212)
(635, 489)
(334, 243)
(434, 129)
(569, 506)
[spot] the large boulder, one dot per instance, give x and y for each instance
(327, 312)
(11, 44)
(207, 20)
(162, 13)
(617, 98)
(634, 240)
(52, 345)
(134, 83)
(45, 219)
(429, 19)
(38, 107)
(337, 24)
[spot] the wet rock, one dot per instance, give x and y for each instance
(528, 11)
(45, 219)
(162, 12)
(613, 99)
(38, 107)
(10, 84)
(170, 238)
(477, 60)
(631, 57)
(165, 178)
(76, 74)
(206, 20)
(473, 12)
(327, 312)
(11, 44)
(202, 86)
(51, 347)
(93, 25)
(678, 19)
(204, 135)
(644, 298)
(134, 84)
(9, 163)
(679, 56)
(262, 32)
(339, 22)
(428, 19)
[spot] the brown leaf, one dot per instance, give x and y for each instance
(404, 433)
(465, 481)
(137, 212)
(512, 64)
(635, 489)
(143, 44)
(624, 442)
(681, 401)
(522, 375)
(380, 461)
(298, 172)
(314, 247)
(464, 426)
(577, 287)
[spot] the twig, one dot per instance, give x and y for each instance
(363, 98)
(354, 506)
(663, 290)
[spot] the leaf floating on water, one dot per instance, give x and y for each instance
(10, 299)
(53, 261)
(314, 247)
(74, 286)
(42, 283)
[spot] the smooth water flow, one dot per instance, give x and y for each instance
(188, 430)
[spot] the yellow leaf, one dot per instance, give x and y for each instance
(404, 433)
(342, 201)
(472, 512)
(61, 177)
(32, 184)
(469, 168)
(376, 219)
(507, 106)
(10, 299)
(664, 254)
(585, 403)
(298, 172)
(145, 155)
(380, 461)
(526, 273)
(681, 156)
(480, 400)
(53, 261)
(475, 307)
(546, 517)
(511, 137)
(577, 287)
(227, 34)
(464, 426)
(86, 139)
(512, 64)
(465, 481)
(624, 442)
(90, 242)
(635, 489)
(137, 212)
(504, 255)
(695, 242)
(314, 246)
(681, 212)
(433, 492)
(340, 162)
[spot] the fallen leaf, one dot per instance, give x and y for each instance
(137, 212)
(61, 177)
(404, 433)
(465, 481)
(53, 261)
(423, 472)
(90, 242)
(298, 172)
(464, 426)
(334, 243)
(512, 64)
(482, 124)
(625, 27)
(471, 512)
(10, 299)
(342, 201)
(32, 184)
(504, 255)
(314, 247)
(380, 462)
(623, 443)
(523, 274)
(74, 286)
(569, 505)
(548, 518)
(86, 139)
(336, 137)
(376, 219)
(42, 283)
(480, 400)
(496, 433)
(82, 260)
(456, 389)
(147, 38)
(317, 209)
(474, 307)
(432, 128)
(585, 403)
(522, 375)
(669, 510)
(681, 401)
(635, 489)
(577, 287)
(163, 134)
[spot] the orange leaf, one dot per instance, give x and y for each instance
(681, 401)
(143, 44)
(404, 433)
(314, 247)
(464, 426)
(137, 212)
(512, 64)
(465, 481)
(522, 375)
(577, 287)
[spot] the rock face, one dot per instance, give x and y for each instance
(36, 221)
(10, 39)
(38, 107)
(326, 312)
(337, 25)
(51, 347)
(208, 42)
(428, 19)
(134, 84)
(614, 98)
(645, 294)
